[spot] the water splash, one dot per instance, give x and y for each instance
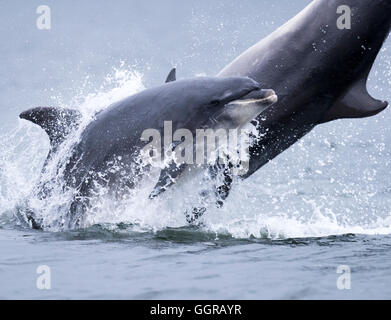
(24, 150)
(291, 197)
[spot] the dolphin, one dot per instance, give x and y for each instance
(318, 70)
(110, 147)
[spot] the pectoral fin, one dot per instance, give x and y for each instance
(167, 178)
(355, 103)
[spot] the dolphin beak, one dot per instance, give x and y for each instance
(261, 96)
(240, 112)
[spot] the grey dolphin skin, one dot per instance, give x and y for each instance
(109, 146)
(318, 71)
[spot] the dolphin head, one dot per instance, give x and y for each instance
(214, 92)
(233, 102)
(221, 91)
(229, 102)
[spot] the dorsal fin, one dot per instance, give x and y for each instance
(355, 103)
(57, 122)
(171, 76)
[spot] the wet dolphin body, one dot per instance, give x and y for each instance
(318, 71)
(109, 146)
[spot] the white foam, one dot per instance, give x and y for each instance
(265, 205)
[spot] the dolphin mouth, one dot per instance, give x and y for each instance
(262, 97)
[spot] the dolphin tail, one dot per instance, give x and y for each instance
(355, 103)
(57, 122)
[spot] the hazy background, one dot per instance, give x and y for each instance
(324, 202)
(89, 38)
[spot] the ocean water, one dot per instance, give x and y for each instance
(282, 234)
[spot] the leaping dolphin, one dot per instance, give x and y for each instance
(318, 70)
(110, 146)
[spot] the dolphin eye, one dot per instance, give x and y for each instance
(215, 103)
